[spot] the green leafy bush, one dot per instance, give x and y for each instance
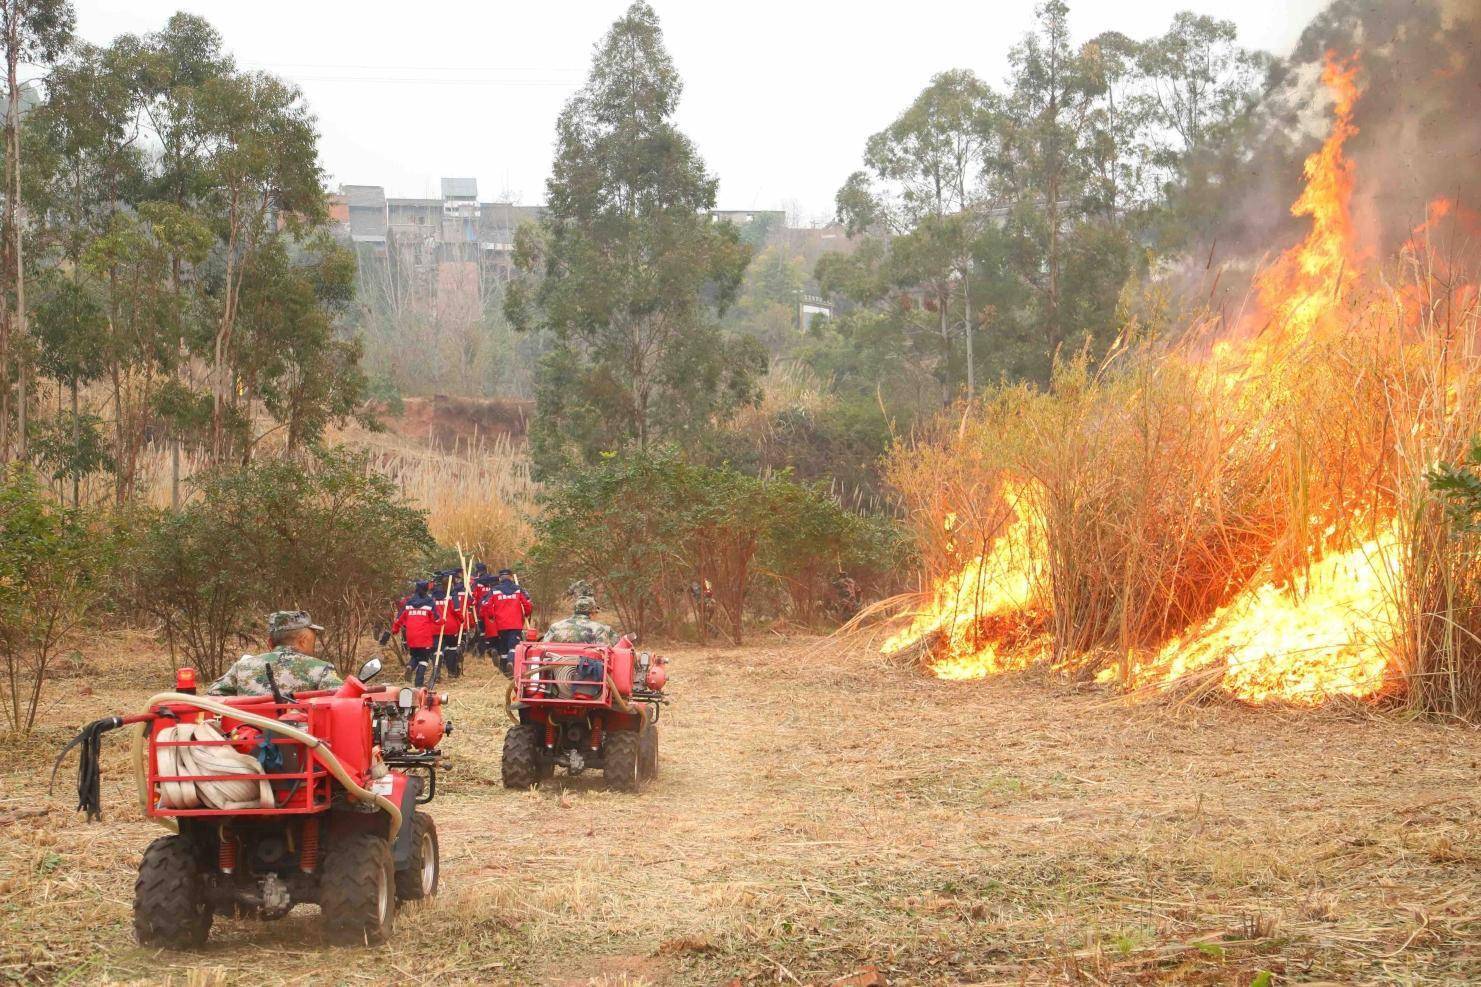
(53, 572)
(324, 535)
(650, 530)
(1459, 488)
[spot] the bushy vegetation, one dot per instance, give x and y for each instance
(55, 571)
(324, 534)
(669, 476)
(657, 534)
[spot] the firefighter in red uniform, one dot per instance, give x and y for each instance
(452, 608)
(417, 623)
(482, 583)
(504, 611)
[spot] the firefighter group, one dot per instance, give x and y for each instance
(486, 618)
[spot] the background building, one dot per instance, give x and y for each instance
(449, 252)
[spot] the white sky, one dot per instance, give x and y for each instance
(779, 96)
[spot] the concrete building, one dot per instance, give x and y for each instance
(449, 252)
(366, 205)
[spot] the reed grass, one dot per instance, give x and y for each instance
(478, 493)
(1176, 475)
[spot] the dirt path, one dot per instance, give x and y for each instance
(817, 816)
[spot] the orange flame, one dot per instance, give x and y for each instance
(1322, 633)
(1445, 220)
(1299, 289)
(1295, 637)
(978, 617)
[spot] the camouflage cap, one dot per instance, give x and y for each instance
(282, 621)
(586, 605)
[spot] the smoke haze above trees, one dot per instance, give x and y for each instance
(1100, 163)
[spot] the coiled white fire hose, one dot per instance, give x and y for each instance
(511, 697)
(203, 762)
(321, 750)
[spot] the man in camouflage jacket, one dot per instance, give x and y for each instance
(579, 628)
(295, 640)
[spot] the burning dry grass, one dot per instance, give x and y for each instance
(1187, 512)
(815, 818)
(1243, 509)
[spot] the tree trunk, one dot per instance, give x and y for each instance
(76, 438)
(943, 302)
(13, 146)
(223, 337)
(10, 327)
(971, 329)
(1053, 301)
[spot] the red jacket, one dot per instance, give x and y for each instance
(418, 622)
(505, 608)
(453, 609)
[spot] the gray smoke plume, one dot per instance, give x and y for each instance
(1418, 118)
(1419, 137)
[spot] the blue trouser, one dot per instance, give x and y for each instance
(508, 641)
(421, 660)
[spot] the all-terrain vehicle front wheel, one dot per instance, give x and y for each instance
(357, 890)
(622, 764)
(170, 904)
(419, 878)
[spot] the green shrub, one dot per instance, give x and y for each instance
(324, 535)
(645, 528)
(53, 572)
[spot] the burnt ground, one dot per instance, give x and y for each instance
(819, 815)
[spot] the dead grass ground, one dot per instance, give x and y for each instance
(818, 817)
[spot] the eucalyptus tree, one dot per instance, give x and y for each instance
(627, 271)
(36, 33)
(925, 184)
(261, 179)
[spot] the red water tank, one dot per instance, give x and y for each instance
(620, 667)
(349, 733)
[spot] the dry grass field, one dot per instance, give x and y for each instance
(820, 816)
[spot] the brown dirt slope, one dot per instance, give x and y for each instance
(817, 817)
(449, 421)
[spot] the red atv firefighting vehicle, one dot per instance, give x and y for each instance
(581, 706)
(281, 799)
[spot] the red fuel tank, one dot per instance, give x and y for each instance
(348, 733)
(620, 667)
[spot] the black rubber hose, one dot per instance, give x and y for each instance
(89, 765)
